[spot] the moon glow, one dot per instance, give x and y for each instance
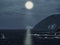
(29, 5)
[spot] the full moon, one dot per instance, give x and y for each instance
(29, 5)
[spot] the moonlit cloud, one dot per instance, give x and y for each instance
(13, 13)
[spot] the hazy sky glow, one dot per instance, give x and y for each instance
(13, 13)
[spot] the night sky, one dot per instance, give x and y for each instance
(14, 15)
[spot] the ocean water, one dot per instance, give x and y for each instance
(17, 37)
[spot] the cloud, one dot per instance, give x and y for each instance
(12, 9)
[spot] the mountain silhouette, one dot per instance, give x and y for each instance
(51, 23)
